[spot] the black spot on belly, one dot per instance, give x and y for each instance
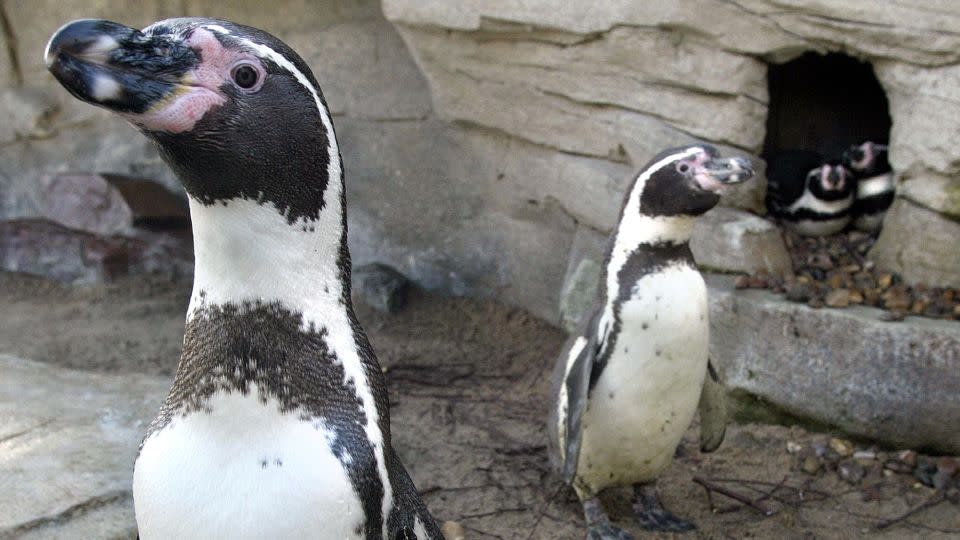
(658, 352)
(610, 395)
(644, 326)
(263, 464)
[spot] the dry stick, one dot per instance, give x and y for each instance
(543, 510)
(758, 506)
(932, 501)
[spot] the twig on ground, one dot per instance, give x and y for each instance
(711, 486)
(931, 501)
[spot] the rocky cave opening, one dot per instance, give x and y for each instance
(824, 103)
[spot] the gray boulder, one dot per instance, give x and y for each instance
(69, 440)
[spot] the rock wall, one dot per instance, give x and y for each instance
(487, 143)
(616, 81)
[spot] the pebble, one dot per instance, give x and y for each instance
(453, 530)
(811, 465)
(851, 472)
(838, 298)
(793, 448)
(842, 447)
(909, 457)
(833, 271)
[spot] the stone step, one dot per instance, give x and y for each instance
(68, 440)
(893, 382)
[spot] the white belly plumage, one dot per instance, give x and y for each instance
(646, 396)
(243, 469)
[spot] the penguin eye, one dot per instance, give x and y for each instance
(245, 76)
(683, 167)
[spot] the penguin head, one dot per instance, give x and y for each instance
(865, 158)
(234, 111)
(830, 181)
(687, 181)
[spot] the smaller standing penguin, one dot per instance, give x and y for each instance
(875, 184)
(627, 383)
(808, 195)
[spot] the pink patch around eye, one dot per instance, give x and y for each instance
(200, 91)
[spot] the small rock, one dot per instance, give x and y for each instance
(865, 455)
(742, 282)
(856, 297)
(851, 472)
(815, 303)
(799, 292)
(85, 202)
(908, 457)
(884, 281)
(381, 287)
(871, 493)
(893, 316)
(941, 480)
(896, 299)
(898, 467)
(820, 261)
(811, 465)
(838, 298)
(949, 465)
(842, 447)
(452, 530)
(793, 448)
(925, 471)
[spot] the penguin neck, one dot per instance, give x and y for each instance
(247, 252)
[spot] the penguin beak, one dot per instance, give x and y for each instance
(715, 173)
(117, 67)
(833, 177)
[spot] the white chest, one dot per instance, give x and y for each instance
(647, 394)
(243, 470)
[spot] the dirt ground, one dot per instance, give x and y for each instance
(468, 384)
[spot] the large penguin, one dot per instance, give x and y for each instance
(277, 424)
(628, 381)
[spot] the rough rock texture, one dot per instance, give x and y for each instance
(618, 80)
(729, 240)
(85, 202)
(920, 243)
(68, 440)
(895, 382)
(45, 248)
(503, 128)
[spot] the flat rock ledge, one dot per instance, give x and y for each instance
(68, 440)
(893, 382)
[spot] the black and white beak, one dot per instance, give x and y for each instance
(713, 173)
(118, 67)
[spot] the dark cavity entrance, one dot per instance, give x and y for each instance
(824, 103)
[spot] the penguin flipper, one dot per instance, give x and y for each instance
(571, 388)
(410, 519)
(713, 411)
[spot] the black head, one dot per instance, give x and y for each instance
(687, 181)
(830, 181)
(867, 159)
(235, 112)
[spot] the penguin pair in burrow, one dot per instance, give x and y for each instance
(628, 381)
(277, 423)
(810, 195)
(876, 185)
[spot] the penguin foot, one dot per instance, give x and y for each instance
(651, 515)
(606, 531)
(598, 523)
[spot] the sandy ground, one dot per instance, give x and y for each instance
(468, 384)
